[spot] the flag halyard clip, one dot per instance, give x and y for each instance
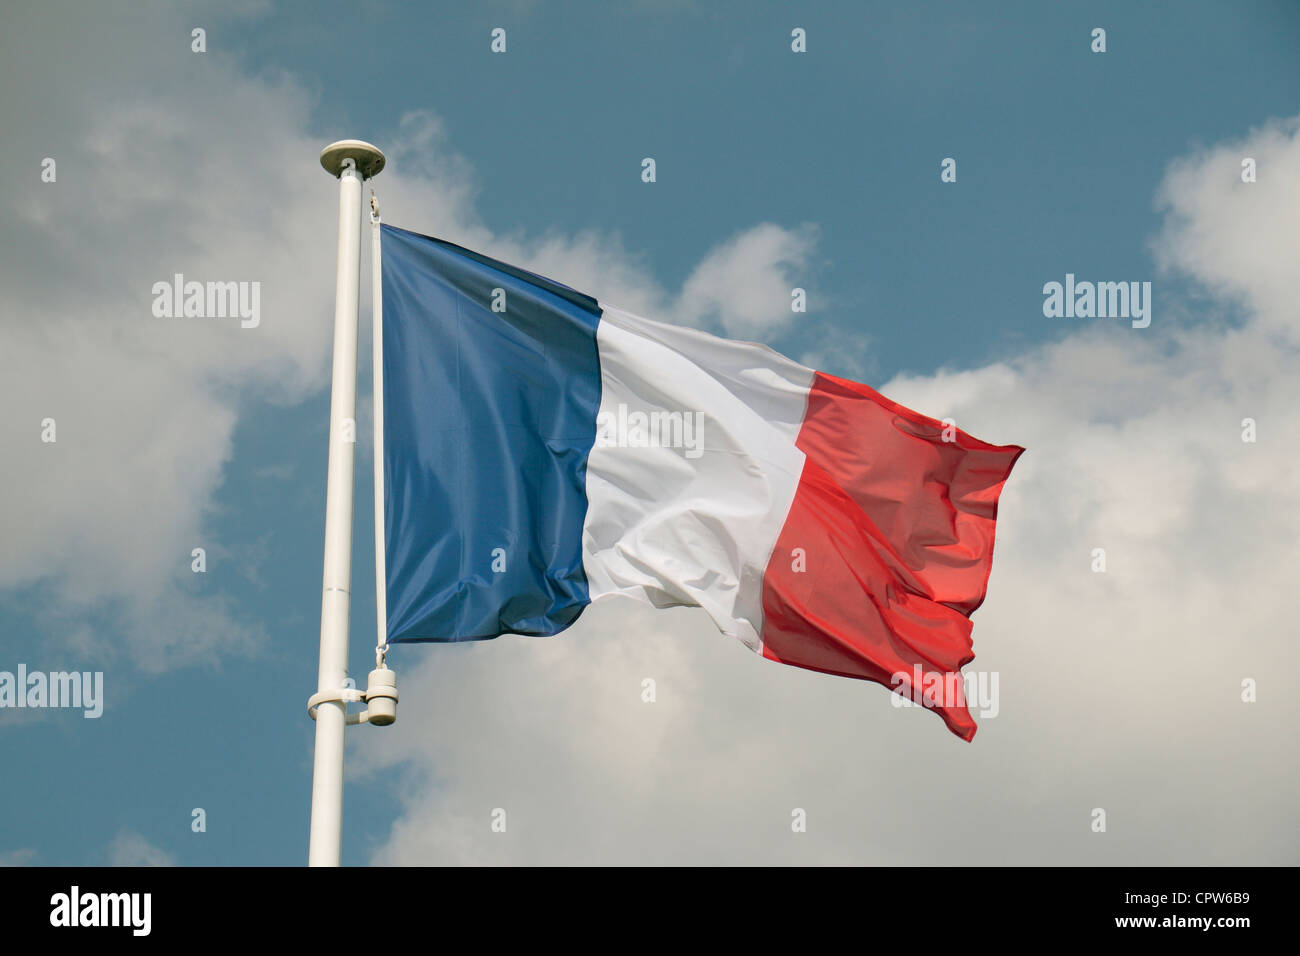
(380, 697)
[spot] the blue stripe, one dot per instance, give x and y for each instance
(488, 421)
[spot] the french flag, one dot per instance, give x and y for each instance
(541, 451)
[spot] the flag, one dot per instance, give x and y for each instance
(542, 451)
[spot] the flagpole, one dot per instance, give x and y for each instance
(351, 161)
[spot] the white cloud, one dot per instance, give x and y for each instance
(131, 849)
(1118, 690)
(745, 284)
(23, 857)
(1233, 236)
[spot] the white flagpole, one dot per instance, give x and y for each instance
(351, 161)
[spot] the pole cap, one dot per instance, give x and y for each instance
(369, 159)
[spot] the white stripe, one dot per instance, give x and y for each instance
(669, 528)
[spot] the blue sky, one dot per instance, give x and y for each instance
(1061, 154)
(1059, 150)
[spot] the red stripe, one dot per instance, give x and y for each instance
(896, 530)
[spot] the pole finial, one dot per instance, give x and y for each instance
(369, 159)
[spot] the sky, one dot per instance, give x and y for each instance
(1120, 690)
